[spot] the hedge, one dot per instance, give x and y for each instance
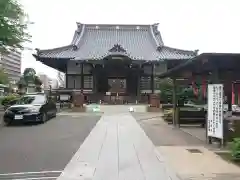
(8, 98)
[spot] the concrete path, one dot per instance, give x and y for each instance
(117, 149)
(202, 165)
(176, 146)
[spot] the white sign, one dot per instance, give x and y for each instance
(215, 111)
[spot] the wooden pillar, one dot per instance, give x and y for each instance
(82, 77)
(174, 98)
(139, 83)
(152, 78)
(233, 93)
(66, 75)
(94, 74)
(228, 88)
(238, 93)
(204, 87)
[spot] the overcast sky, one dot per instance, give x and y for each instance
(207, 25)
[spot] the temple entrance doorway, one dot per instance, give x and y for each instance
(117, 82)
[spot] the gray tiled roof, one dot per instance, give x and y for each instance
(143, 42)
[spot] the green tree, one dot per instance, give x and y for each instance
(3, 77)
(13, 25)
(38, 83)
(29, 77)
(166, 88)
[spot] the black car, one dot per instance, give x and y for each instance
(31, 108)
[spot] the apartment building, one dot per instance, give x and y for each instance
(11, 63)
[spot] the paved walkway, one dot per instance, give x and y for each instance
(117, 149)
(175, 145)
(202, 165)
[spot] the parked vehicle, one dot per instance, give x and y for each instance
(31, 108)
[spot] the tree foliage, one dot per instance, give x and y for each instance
(3, 77)
(30, 77)
(13, 25)
(183, 93)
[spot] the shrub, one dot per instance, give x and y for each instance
(235, 149)
(9, 98)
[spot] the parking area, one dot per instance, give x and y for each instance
(42, 150)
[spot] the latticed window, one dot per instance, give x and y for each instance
(145, 83)
(88, 82)
(74, 82)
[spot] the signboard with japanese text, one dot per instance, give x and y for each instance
(215, 111)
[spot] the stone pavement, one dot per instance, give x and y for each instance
(197, 132)
(176, 145)
(117, 149)
(163, 134)
(202, 165)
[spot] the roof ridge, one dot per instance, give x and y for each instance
(154, 38)
(114, 24)
(154, 31)
(81, 30)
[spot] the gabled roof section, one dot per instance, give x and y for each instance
(60, 52)
(173, 53)
(96, 41)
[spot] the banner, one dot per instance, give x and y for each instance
(215, 111)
